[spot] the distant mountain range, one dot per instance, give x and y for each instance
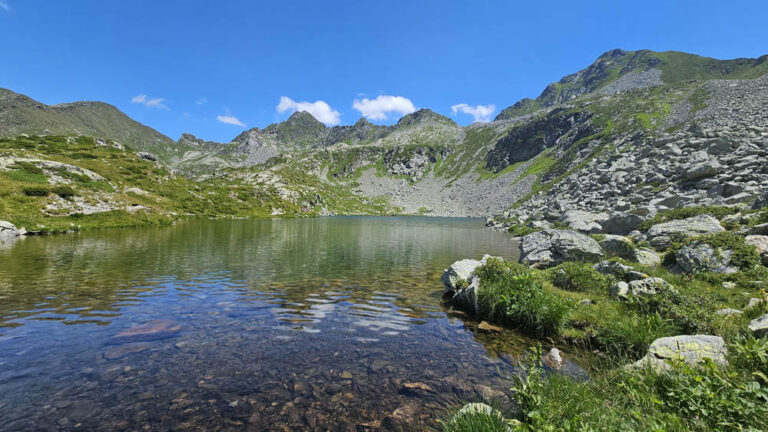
(426, 162)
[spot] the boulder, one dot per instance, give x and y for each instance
(553, 359)
(617, 246)
(689, 349)
(646, 287)
(551, 247)
(709, 168)
(584, 221)
(760, 202)
(646, 256)
(660, 235)
(754, 302)
(622, 223)
(760, 242)
(703, 258)
(461, 283)
(761, 229)
(728, 312)
(8, 230)
(614, 268)
(459, 274)
(759, 326)
(147, 156)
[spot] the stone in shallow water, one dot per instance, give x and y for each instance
(124, 350)
(153, 330)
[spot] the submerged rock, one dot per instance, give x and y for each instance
(553, 359)
(688, 349)
(153, 330)
(551, 247)
(124, 350)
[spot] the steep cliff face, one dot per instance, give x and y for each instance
(560, 127)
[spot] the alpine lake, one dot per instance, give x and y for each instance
(333, 323)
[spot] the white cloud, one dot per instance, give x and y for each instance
(481, 113)
(230, 119)
(149, 102)
(201, 101)
(4, 5)
(319, 110)
(377, 109)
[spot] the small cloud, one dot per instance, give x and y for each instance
(4, 5)
(481, 113)
(201, 101)
(149, 102)
(230, 119)
(319, 110)
(377, 109)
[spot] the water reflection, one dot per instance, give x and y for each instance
(277, 325)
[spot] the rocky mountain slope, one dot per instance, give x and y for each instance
(20, 114)
(643, 129)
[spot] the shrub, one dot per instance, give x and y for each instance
(580, 277)
(703, 397)
(630, 335)
(64, 191)
(512, 294)
(35, 191)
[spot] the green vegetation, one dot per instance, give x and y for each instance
(686, 398)
(579, 277)
(512, 294)
(701, 397)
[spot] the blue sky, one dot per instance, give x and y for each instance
(214, 68)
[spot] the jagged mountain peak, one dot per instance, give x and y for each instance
(423, 116)
(619, 70)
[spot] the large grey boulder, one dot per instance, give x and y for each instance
(660, 235)
(8, 230)
(708, 168)
(701, 257)
(551, 247)
(617, 246)
(622, 223)
(584, 221)
(759, 326)
(461, 284)
(689, 349)
(459, 273)
(646, 257)
(646, 287)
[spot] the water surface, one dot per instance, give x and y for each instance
(308, 324)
